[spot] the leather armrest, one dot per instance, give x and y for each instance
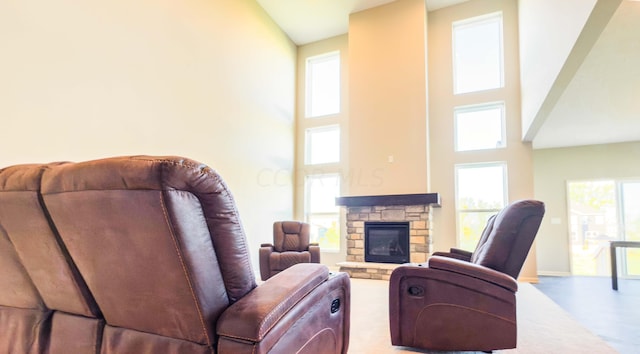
(461, 252)
(473, 270)
(314, 250)
(452, 255)
(266, 245)
(251, 317)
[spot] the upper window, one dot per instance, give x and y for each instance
(478, 54)
(480, 127)
(323, 85)
(322, 145)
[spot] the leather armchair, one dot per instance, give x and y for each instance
(290, 246)
(464, 301)
(148, 255)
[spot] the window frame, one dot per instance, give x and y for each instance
(502, 144)
(459, 210)
(309, 92)
(469, 22)
(308, 152)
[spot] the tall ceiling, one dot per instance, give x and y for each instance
(600, 105)
(306, 21)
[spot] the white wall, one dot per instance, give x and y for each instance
(548, 30)
(209, 80)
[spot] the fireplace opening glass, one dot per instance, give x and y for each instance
(386, 242)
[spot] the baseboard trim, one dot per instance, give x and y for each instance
(532, 280)
(554, 274)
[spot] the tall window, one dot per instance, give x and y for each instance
(321, 211)
(478, 54)
(323, 85)
(480, 127)
(321, 130)
(481, 191)
(322, 145)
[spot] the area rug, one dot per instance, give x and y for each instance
(543, 327)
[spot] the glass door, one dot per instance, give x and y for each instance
(602, 211)
(593, 223)
(630, 199)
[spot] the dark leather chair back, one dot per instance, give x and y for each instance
(23, 315)
(119, 216)
(52, 274)
(508, 236)
(290, 236)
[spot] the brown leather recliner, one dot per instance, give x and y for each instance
(290, 246)
(463, 300)
(148, 255)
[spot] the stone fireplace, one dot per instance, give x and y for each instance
(414, 209)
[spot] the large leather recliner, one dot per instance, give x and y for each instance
(148, 255)
(465, 301)
(290, 246)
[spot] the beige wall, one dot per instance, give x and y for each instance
(211, 80)
(517, 155)
(553, 169)
(388, 100)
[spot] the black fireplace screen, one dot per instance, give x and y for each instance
(386, 242)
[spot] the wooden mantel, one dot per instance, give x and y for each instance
(432, 199)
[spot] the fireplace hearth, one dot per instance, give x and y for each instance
(386, 242)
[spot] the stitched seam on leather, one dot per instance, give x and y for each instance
(416, 328)
(259, 337)
(184, 268)
(281, 305)
(88, 301)
(316, 335)
(466, 308)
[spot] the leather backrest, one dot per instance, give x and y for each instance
(485, 234)
(19, 187)
(509, 240)
(23, 313)
(290, 236)
(137, 226)
(25, 222)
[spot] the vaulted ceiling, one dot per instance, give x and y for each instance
(600, 104)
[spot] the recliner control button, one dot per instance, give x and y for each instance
(416, 290)
(335, 305)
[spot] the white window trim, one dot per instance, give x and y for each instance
(487, 18)
(309, 83)
(481, 107)
(307, 143)
(505, 189)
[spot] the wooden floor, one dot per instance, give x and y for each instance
(612, 315)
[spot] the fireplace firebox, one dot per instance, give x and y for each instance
(386, 242)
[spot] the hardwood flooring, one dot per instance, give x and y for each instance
(612, 315)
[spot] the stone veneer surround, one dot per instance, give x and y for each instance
(386, 208)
